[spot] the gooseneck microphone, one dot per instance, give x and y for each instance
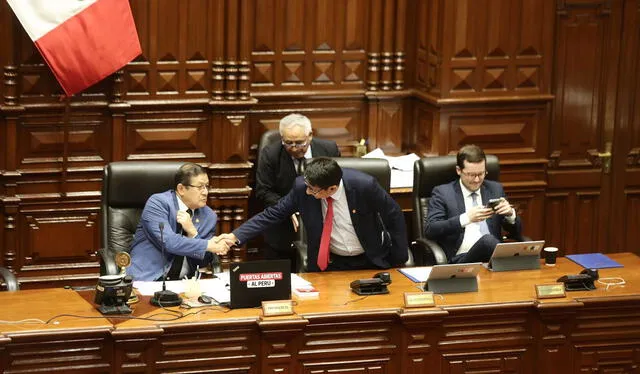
(164, 298)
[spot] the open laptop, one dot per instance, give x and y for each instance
(453, 278)
(516, 256)
(253, 282)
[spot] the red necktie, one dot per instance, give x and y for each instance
(323, 252)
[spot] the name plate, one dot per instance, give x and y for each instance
(547, 291)
(277, 308)
(418, 299)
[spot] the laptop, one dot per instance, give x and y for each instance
(453, 278)
(516, 256)
(253, 282)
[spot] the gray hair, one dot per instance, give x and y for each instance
(293, 120)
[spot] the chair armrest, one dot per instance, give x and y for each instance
(108, 264)
(428, 253)
(9, 279)
(301, 256)
(411, 259)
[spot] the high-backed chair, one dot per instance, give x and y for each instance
(126, 186)
(377, 168)
(10, 281)
(428, 173)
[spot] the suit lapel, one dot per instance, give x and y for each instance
(459, 197)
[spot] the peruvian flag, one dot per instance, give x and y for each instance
(82, 41)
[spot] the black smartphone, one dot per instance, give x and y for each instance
(493, 203)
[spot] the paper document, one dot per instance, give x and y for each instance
(417, 274)
(217, 288)
(401, 167)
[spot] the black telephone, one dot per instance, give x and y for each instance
(377, 285)
(580, 282)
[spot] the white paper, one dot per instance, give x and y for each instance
(217, 288)
(400, 178)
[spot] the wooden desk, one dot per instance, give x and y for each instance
(502, 328)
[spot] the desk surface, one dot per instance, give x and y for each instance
(519, 333)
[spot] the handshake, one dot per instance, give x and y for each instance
(221, 244)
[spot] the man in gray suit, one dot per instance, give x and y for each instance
(280, 164)
(459, 217)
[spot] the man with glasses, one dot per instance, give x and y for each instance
(352, 223)
(280, 164)
(459, 217)
(188, 226)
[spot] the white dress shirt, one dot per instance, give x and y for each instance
(472, 229)
(344, 241)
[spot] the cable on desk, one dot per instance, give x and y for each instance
(22, 321)
(611, 282)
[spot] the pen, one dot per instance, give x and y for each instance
(197, 272)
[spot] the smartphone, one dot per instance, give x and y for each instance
(493, 203)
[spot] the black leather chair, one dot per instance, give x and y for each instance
(428, 173)
(126, 186)
(377, 168)
(10, 280)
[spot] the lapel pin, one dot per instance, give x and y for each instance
(353, 211)
(197, 220)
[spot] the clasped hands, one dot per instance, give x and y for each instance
(221, 244)
(481, 213)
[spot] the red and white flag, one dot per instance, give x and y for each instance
(82, 41)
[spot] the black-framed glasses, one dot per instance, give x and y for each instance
(313, 192)
(204, 187)
(296, 144)
(474, 175)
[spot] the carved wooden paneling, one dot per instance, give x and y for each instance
(45, 141)
(500, 50)
(180, 134)
(294, 50)
(504, 131)
(358, 344)
(88, 351)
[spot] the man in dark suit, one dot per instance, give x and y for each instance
(280, 164)
(351, 222)
(188, 226)
(459, 218)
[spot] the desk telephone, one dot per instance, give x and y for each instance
(372, 286)
(580, 282)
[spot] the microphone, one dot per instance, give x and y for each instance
(164, 298)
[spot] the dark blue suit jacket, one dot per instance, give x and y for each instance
(442, 223)
(146, 249)
(365, 198)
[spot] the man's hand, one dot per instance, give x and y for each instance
(184, 219)
(229, 239)
(504, 208)
(294, 220)
(479, 213)
(219, 246)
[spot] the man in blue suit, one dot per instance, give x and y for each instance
(459, 218)
(187, 224)
(351, 222)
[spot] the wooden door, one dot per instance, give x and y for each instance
(584, 126)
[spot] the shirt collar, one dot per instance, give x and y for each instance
(181, 205)
(339, 192)
(466, 192)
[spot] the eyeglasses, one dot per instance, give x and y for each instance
(475, 175)
(297, 144)
(313, 192)
(204, 187)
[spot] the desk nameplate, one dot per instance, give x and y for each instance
(548, 291)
